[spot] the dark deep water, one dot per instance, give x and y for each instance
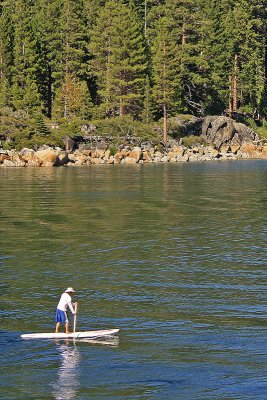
(174, 255)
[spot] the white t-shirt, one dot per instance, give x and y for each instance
(65, 300)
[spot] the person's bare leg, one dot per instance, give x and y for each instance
(67, 328)
(57, 327)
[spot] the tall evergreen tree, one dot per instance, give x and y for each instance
(187, 18)
(74, 58)
(119, 62)
(166, 74)
(48, 31)
(6, 52)
(250, 17)
(6, 41)
(29, 66)
(72, 99)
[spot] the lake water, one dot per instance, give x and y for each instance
(173, 255)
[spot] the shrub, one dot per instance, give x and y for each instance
(191, 141)
(125, 127)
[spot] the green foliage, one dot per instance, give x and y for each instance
(126, 127)
(166, 74)
(41, 128)
(113, 149)
(68, 126)
(72, 99)
(262, 130)
(191, 141)
(119, 61)
(146, 59)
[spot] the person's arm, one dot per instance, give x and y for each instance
(71, 307)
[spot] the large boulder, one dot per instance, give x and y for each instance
(46, 158)
(184, 125)
(62, 158)
(130, 160)
(243, 134)
(224, 130)
(264, 151)
(69, 143)
(135, 154)
(218, 130)
(3, 157)
(8, 163)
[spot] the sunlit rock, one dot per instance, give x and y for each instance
(135, 154)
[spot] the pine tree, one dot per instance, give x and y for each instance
(119, 61)
(166, 76)
(6, 53)
(48, 31)
(6, 41)
(41, 127)
(234, 48)
(63, 30)
(29, 68)
(187, 16)
(75, 38)
(217, 49)
(72, 99)
(251, 38)
(147, 114)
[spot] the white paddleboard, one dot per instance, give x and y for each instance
(76, 335)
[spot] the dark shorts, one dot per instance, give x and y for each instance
(61, 316)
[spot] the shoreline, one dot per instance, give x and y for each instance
(48, 156)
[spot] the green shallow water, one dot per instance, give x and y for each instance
(173, 255)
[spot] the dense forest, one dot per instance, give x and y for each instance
(70, 61)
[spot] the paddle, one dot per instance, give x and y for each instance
(75, 316)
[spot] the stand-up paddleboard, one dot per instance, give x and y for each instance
(75, 335)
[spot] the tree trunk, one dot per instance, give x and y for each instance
(165, 124)
(107, 99)
(235, 97)
(1, 68)
(145, 18)
(183, 36)
(121, 112)
(230, 104)
(49, 93)
(165, 119)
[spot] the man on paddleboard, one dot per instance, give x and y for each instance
(61, 312)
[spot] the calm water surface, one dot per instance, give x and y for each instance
(173, 255)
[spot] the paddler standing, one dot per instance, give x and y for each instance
(61, 312)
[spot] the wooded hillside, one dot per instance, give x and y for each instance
(95, 59)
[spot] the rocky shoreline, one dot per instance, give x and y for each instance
(218, 138)
(48, 157)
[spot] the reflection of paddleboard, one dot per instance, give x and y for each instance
(76, 335)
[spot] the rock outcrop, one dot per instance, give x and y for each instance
(224, 130)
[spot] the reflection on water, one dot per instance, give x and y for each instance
(112, 342)
(66, 386)
(67, 383)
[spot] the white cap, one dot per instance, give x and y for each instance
(70, 289)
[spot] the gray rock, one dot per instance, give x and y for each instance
(68, 143)
(221, 130)
(244, 134)
(27, 151)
